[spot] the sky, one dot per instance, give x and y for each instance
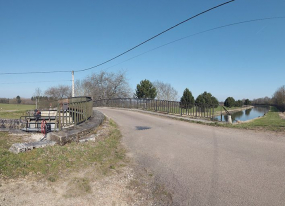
(242, 61)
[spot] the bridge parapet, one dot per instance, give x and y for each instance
(163, 106)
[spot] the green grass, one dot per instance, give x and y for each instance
(50, 162)
(271, 121)
(14, 111)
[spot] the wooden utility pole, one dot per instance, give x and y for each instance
(72, 83)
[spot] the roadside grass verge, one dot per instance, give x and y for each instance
(14, 111)
(52, 162)
(271, 121)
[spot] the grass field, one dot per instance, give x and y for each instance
(14, 111)
(271, 121)
(51, 162)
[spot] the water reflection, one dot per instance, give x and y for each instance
(245, 115)
(247, 111)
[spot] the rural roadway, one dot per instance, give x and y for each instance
(206, 165)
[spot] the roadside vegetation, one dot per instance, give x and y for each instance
(51, 162)
(14, 111)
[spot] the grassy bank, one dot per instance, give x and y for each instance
(271, 121)
(51, 162)
(14, 111)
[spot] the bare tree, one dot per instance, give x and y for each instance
(79, 88)
(38, 92)
(105, 85)
(279, 98)
(165, 91)
(264, 100)
(59, 92)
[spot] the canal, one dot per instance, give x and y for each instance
(248, 114)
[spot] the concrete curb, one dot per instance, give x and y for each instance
(75, 133)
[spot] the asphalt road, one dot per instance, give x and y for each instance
(204, 165)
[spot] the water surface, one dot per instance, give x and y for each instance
(248, 114)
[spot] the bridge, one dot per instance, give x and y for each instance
(200, 164)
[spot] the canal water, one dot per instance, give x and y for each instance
(245, 115)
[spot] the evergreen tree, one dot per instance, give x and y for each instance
(239, 103)
(206, 100)
(18, 99)
(187, 100)
(247, 102)
(229, 102)
(145, 89)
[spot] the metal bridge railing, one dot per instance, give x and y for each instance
(67, 112)
(169, 107)
(74, 111)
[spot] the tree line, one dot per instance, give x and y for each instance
(109, 85)
(278, 99)
(231, 102)
(146, 89)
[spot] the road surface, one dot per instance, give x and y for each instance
(205, 165)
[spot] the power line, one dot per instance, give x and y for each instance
(215, 7)
(44, 72)
(33, 82)
(201, 32)
(201, 13)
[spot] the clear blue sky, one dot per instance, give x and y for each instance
(243, 61)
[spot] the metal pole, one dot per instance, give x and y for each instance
(72, 83)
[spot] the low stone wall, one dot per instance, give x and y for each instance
(11, 124)
(64, 136)
(24, 147)
(75, 133)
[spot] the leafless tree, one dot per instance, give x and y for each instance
(264, 100)
(104, 85)
(165, 91)
(79, 88)
(279, 97)
(59, 92)
(38, 92)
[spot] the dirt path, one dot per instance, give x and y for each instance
(84, 188)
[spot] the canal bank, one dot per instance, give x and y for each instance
(243, 114)
(231, 111)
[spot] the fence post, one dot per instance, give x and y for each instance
(156, 105)
(168, 107)
(59, 123)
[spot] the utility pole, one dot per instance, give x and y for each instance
(72, 83)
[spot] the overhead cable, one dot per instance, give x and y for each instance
(182, 22)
